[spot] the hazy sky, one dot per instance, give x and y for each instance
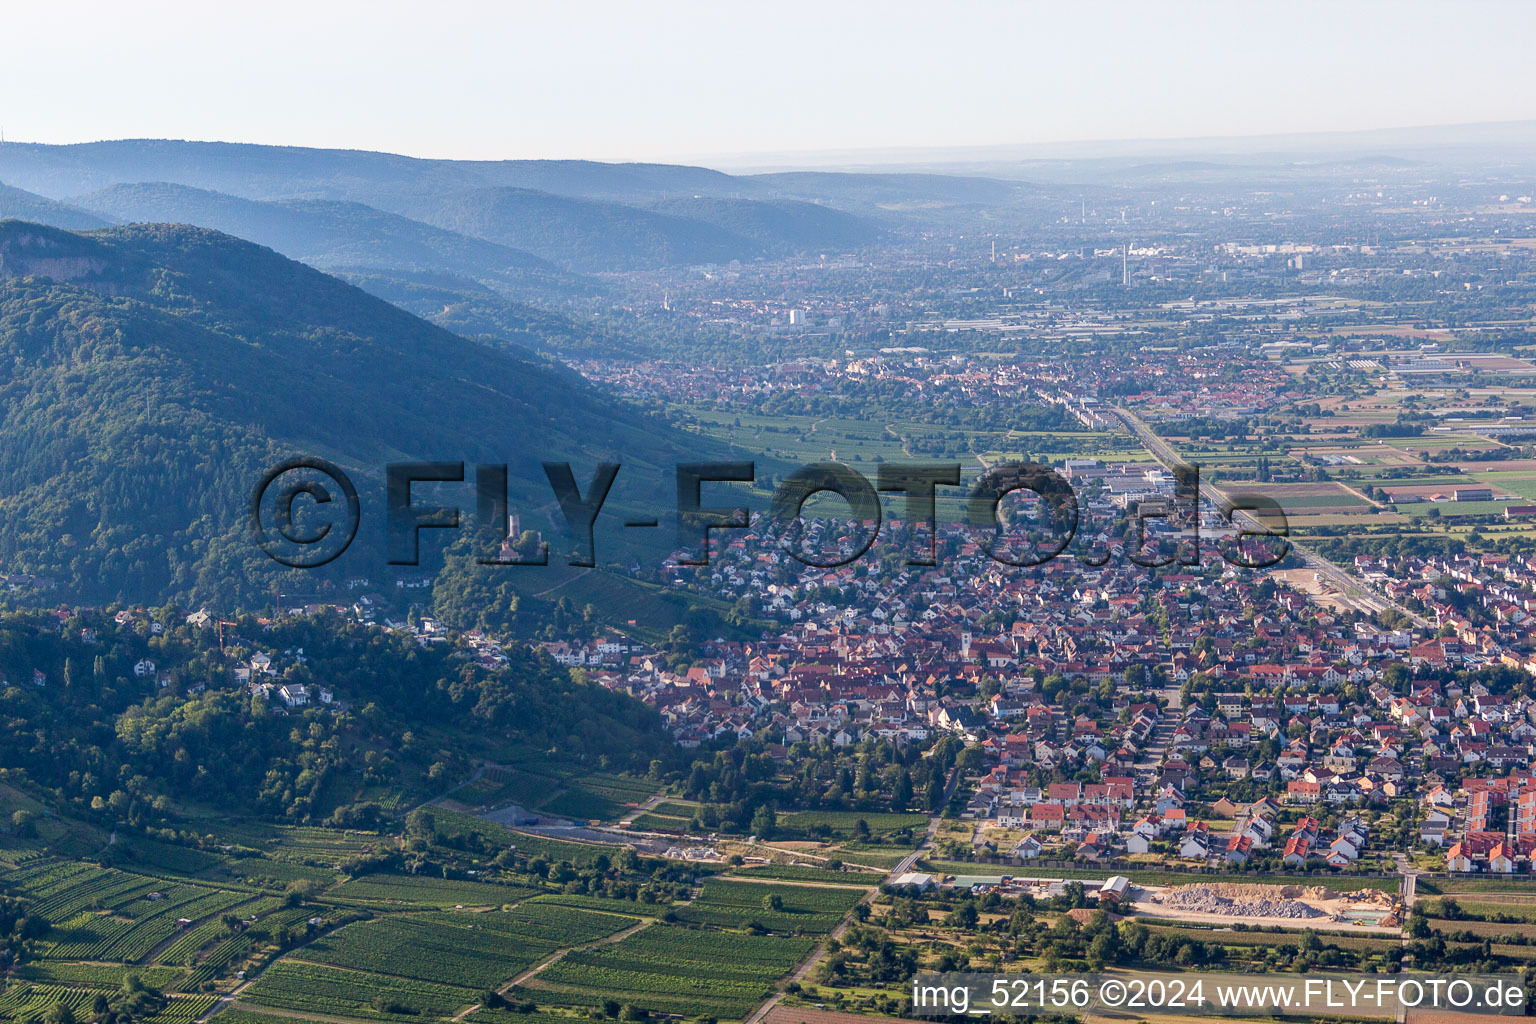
(675, 80)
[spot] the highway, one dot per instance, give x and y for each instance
(1354, 590)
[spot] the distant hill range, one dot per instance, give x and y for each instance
(370, 212)
(595, 235)
(329, 234)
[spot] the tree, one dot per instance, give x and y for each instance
(764, 822)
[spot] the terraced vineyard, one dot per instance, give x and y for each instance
(671, 969)
(106, 914)
(649, 822)
(218, 961)
(806, 873)
(600, 903)
(29, 1004)
(205, 934)
(433, 892)
(403, 947)
(596, 795)
(296, 985)
(96, 976)
(780, 908)
(467, 949)
(601, 795)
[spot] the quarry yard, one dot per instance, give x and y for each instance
(1288, 906)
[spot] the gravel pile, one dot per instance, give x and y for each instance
(1203, 899)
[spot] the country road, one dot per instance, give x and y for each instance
(809, 963)
(1355, 590)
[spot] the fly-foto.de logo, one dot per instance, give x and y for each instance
(305, 512)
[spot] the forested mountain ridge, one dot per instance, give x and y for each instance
(575, 213)
(19, 204)
(274, 172)
(780, 226)
(156, 371)
(333, 235)
(585, 234)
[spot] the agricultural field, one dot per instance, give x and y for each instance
(651, 822)
(556, 850)
(600, 796)
(236, 1015)
(112, 915)
(95, 976)
(199, 937)
(500, 785)
(312, 988)
(778, 908)
(303, 844)
(267, 873)
(1507, 887)
(600, 904)
(465, 949)
(553, 790)
(645, 610)
(1483, 907)
(671, 969)
(510, 1016)
(422, 890)
(882, 856)
(1264, 939)
(807, 873)
(28, 1003)
(845, 824)
(52, 835)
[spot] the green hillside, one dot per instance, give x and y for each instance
(155, 371)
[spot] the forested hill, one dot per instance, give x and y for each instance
(85, 727)
(153, 372)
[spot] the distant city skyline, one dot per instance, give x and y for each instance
(709, 83)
